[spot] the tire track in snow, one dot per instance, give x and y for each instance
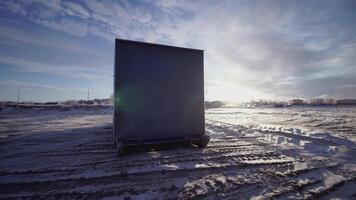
(234, 164)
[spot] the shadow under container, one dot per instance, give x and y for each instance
(158, 95)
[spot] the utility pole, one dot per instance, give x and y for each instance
(88, 95)
(18, 95)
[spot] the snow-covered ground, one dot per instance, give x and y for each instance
(263, 153)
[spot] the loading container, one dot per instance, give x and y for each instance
(158, 94)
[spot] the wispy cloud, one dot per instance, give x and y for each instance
(77, 72)
(75, 9)
(23, 37)
(29, 86)
(73, 27)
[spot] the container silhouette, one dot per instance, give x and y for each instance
(158, 94)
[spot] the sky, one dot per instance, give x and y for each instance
(55, 50)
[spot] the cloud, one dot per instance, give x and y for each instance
(29, 85)
(54, 5)
(75, 9)
(142, 15)
(276, 47)
(107, 19)
(176, 7)
(73, 27)
(334, 86)
(75, 72)
(47, 13)
(268, 47)
(13, 7)
(12, 35)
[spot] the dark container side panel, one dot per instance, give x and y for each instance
(159, 91)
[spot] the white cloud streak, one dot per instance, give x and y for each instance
(75, 72)
(29, 85)
(74, 9)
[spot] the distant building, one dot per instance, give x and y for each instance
(214, 104)
(346, 102)
(316, 102)
(70, 102)
(322, 102)
(329, 101)
(296, 102)
(50, 103)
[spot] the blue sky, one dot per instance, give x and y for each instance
(58, 49)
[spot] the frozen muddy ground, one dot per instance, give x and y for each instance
(67, 154)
